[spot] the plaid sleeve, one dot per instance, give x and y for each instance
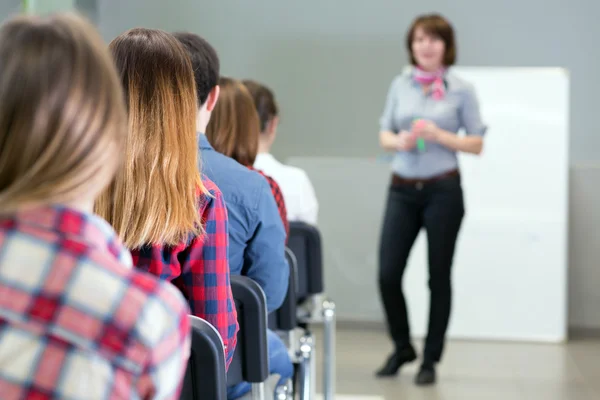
(165, 320)
(114, 244)
(206, 271)
(280, 203)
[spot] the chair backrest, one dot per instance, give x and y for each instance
(205, 377)
(251, 359)
(285, 317)
(305, 242)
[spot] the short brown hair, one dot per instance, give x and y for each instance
(438, 26)
(62, 114)
(154, 198)
(234, 125)
(264, 101)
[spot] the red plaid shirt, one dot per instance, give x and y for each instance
(200, 268)
(77, 321)
(278, 199)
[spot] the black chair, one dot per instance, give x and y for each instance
(284, 319)
(205, 377)
(305, 242)
(313, 307)
(299, 342)
(251, 359)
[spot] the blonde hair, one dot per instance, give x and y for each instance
(154, 198)
(62, 115)
(234, 126)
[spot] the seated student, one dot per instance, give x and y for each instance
(257, 235)
(174, 222)
(233, 131)
(76, 320)
(298, 192)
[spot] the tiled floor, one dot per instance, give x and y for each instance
(471, 371)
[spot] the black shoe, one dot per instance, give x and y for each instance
(395, 361)
(426, 375)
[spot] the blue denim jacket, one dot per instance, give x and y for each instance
(256, 233)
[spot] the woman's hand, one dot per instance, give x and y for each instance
(429, 131)
(405, 141)
(426, 129)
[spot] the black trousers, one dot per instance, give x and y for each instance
(438, 207)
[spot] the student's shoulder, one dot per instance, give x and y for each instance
(157, 306)
(131, 300)
(296, 174)
(211, 188)
(229, 168)
(212, 200)
(295, 170)
(266, 186)
(239, 185)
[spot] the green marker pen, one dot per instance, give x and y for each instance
(420, 140)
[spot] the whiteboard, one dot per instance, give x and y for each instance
(510, 269)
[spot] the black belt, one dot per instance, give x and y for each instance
(398, 180)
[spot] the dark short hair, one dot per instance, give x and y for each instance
(264, 101)
(438, 26)
(205, 63)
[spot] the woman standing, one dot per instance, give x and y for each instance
(425, 108)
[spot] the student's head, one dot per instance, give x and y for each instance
(267, 109)
(153, 199)
(205, 63)
(62, 116)
(430, 42)
(234, 127)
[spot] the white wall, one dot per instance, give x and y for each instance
(510, 267)
(9, 7)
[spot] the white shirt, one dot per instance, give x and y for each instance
(298, 192)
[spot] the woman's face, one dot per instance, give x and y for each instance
(428, 50)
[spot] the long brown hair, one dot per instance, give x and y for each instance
(62, 115)
(234, 125)
(154, 198)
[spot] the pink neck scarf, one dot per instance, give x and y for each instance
(435, 79)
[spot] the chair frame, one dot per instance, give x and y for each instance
(207, 340)
(247, 291)
(317, 308)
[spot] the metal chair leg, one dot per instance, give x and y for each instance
(313, 371)
(306, 370)
(258, 391)
(329, 327)
(285, 392)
